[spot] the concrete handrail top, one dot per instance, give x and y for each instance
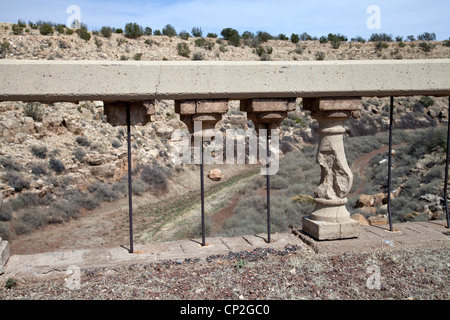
(79, 80)
(218, 63)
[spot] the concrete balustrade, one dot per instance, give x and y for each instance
(331, 90)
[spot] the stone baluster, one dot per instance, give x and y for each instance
(330, 218)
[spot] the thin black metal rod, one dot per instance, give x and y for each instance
(446, 166)
(268, 182)
(130, 199)
(202, 192)
(391, 116)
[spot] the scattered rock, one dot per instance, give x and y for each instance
(378, 220)
(360, 218)
(368, 211)
(365, 201)
(215, 175)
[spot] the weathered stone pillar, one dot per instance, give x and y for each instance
(4, 253)
(330, 218)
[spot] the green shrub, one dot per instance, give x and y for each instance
(335, 43)
(79, 154)
(106, 32)
(39, 151)
(358, 39)
(60, 28)
(119, 30)
(380, 37)
(4, 46)
(426, 36)
(426, 101)
(211, 35)
(295, 38)
(380, 45)
(139, 187)
(16, 29)
(69, 31)
(263, 36)
(34, 110)
(197, 56)
(4, 229)
(426, 47)
(39, 169)
(21, 23)
(202, 42)
(169, 30)
(148, 31)
(232, 36)
(184, 35)
(9, 164)
(154, 177)
(56, 165)
(133, 30)
(16, 180)
(29, 220)
(320, 55)
(46, 28)
(197, 32)
(137, 56)
(278, 182)
(183, 49)
(83, 33)
(103, 192)
(83, 141)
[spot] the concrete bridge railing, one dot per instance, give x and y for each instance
(331, 90)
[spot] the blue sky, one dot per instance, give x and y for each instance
(316, 17)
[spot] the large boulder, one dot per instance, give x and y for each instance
(215, 175)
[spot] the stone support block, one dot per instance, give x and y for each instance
(208, 112)
(140, 112)
(265, 112)
(268, 105)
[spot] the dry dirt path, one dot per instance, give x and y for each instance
(360, 165)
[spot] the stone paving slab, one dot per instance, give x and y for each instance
(57, 263)
(425, 234)
(409, 234)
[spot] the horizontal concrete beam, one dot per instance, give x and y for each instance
(51, 81)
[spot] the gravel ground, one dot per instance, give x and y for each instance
(262, 274)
